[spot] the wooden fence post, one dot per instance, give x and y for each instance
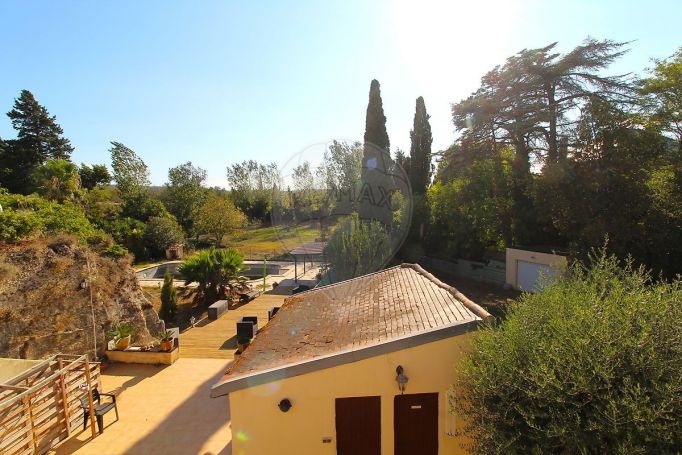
(91, 404)
(29, 413)
(65, 403)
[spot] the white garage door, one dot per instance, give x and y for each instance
(529, 275)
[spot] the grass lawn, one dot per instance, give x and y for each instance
(256, 241)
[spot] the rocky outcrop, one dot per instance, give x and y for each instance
(52, 290)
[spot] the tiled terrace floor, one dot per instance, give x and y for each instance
(167, 409)
(163, 410)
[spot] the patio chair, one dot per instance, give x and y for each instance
(100, 408)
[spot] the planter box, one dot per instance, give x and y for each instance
(146, 357)
(217, 309)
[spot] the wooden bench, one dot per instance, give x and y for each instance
(245, 297)
(217, 309)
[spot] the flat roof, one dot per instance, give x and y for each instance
(310, 248)
(393, 309)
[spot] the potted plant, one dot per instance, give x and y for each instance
(122, 334)
(166, 340)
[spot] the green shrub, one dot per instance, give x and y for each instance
(28, 216)
(18, 225)
(590, 365)
(115, 251)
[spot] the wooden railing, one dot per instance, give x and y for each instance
(41, 406)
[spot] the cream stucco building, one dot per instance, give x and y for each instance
(359, 367)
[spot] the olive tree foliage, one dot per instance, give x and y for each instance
(253, 186)
(590, 365)
(341, 168)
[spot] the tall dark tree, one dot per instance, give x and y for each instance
(420, 150)
(375, 121)
(39, 138)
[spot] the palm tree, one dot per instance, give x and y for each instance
(58, 179)
(215, 270)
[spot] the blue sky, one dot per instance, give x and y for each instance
(216, 82)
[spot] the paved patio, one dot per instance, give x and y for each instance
(168, 409)
(163, 410)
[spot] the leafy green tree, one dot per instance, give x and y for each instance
(421, 168)
(142, 206)
(592, 364)
(664, 91)
(185, 193)
(214, 270)
(57, 179)
(130, 172)
(169, 299)
(161, 232)
(39, 138)
(218, 216)
(356, 248)
(470, 214)
(93, 176)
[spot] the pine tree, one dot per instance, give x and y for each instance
(39, 138)
(375, 122)
(420, 150)
(169, 300)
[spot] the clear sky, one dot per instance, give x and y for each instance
(216, 82)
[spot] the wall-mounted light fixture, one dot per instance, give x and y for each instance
(401, 379)
(285, 405)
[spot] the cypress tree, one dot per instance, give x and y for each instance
(169, 300)
(420, 150)
(374, 163)
(39, 138)
(375, 122)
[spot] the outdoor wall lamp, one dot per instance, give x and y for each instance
(401, 379)
(285, 405)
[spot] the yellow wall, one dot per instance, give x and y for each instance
(14, 367)
(260, 428)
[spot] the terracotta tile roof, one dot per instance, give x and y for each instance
(395, 303)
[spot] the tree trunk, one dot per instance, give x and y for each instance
(552, 154)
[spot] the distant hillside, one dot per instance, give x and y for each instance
(45, 299)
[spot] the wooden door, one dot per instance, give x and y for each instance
(358, 426)
(415, 424)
